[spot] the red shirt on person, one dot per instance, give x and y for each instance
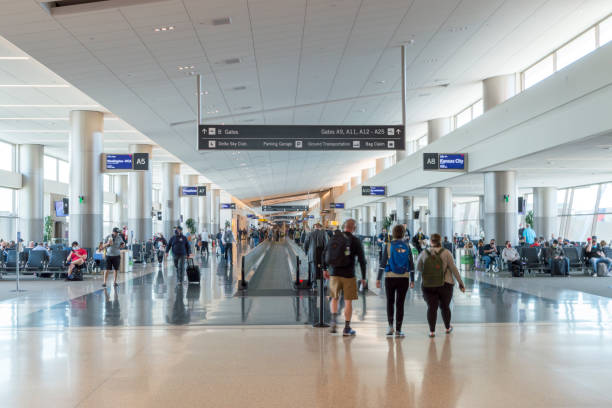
(76, 254)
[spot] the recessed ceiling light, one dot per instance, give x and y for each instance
(166, 28)
(381, 82)
(185, 67)
(430, 60)
(362, 110)
(457, 29)
(14, 58)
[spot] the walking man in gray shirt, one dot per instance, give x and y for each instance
(113, 245)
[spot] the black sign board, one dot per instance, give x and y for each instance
(445, 161)
(373, 190)
(430, 161)
(228, 206)
(284, 208)
(66, 205)
(201, 191)
(159, 216)
(140, 161)
(300, 137)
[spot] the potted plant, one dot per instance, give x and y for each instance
(48, 229)
(190, 223)
(529, 218)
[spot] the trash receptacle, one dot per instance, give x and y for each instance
(124, 264)
(464, 258)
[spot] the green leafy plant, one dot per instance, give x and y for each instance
(228, 224)
(190, 223)
(387, 223)
(48, 231)
(529, 218)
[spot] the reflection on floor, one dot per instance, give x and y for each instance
(153, 343)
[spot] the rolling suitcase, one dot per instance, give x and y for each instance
(558, 267)
(602, 269)
(193, 271)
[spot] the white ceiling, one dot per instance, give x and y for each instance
(302, 62)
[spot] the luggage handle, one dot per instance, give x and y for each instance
(190, 260)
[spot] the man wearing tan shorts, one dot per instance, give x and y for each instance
(341, 276)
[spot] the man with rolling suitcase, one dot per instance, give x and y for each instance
(180, 250)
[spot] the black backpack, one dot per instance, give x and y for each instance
(338, 250)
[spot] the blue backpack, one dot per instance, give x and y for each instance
(398, 254)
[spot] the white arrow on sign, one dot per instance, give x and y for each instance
(398, 131)
(204, 131)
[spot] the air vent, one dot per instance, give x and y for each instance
(61, 7)
(222, 21)
(239, 88)
(231, 61)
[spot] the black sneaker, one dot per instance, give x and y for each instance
(333, 329)
(348, 332)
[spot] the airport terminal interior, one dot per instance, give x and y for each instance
(318, 203)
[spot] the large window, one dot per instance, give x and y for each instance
(468, 114)
(573, 50)
(50, 168)
(63, 171)
(605, 31)
(107, 182)
(538, 72)
(584, 200)
(576, 49)
(6, 156)
(6, 200)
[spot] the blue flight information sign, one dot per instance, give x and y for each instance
(452, 161)
(336, 205)
(189, 191)
(119, 162)
(373, 190)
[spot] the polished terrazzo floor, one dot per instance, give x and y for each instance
(152, 343)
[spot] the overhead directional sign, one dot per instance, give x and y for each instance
(302, 137)
(373, 190)
(336, 205)
(284, 208)
(445, 161)
(189, 191)
(121, 162)
(228, 206)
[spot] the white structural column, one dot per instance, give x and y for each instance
(31, 195)
(440, 203)
(437, 128)
(381, 211)
(366, 221)
(481, 216)
(380, 164)
(215, 210)
(365, 175)
(86, 188)
(545, 217)
(141, 198)
(120, 212)
(189, 204)
(496, 90)
(355, 213)
(501, 206)
(171, 207)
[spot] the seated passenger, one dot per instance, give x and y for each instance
(512, 258)
(76, 257)
(99, 254)
(595, 255)
(536, 243)
(39, 247)
(557, 252)
(489, 255)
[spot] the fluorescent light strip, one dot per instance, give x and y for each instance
(59, 131)
(62, 118)
(49, 106)
(34, 86)
(14, 58)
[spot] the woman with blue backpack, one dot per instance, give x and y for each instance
(398, 266)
